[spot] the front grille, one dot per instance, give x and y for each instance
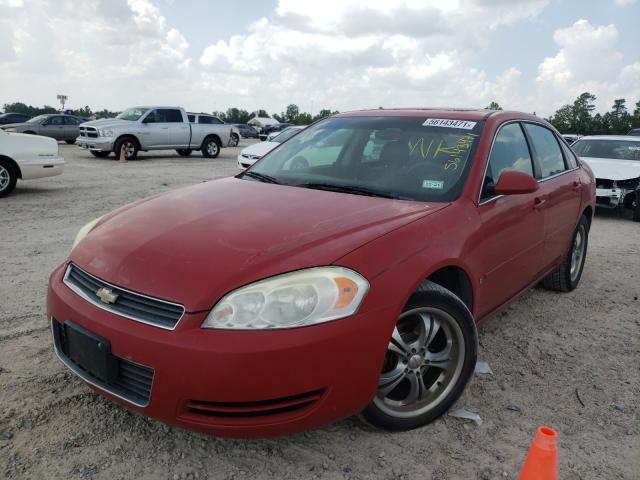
(128, 304)
(251, 157)
(132, 383)
(261, 408)
(604, 183)
(90, 132)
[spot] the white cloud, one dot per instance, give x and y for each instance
(624, 3)
(588, 60)
(340, 54)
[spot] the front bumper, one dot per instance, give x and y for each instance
(239, 383)
(97, 144)
(246, 162)
(41, 167)
(613, 197)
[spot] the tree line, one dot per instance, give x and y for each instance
(577, 117)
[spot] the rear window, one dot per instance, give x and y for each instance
(409, 158)
(605, 148)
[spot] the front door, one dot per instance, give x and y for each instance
(156, 131)
(508, 252)
(54, 128)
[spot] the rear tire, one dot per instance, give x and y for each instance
(100, 154)
(567, 276)
(636, 210)
(430, 358)
(211, 147)
(184, 152)
(130, 148)
(8, 177)
(234, 140)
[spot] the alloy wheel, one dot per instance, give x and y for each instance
(5, 178)
(212, 148)
(577, 253)
(424, 361)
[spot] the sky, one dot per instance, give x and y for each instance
(208, 55)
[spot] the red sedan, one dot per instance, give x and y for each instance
(344, 272)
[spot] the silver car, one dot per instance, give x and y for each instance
(57, 126)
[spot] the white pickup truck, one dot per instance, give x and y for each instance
(153, 128)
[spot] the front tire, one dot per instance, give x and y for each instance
(130, 148)
(636, 209)
(184, 152)
(430, 358)
(8, 178)
(100, 154)
(567, 276)
(70, 142)
(211, 147)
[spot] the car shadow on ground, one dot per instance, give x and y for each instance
(621, 213)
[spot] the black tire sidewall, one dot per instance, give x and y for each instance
(119, 148)
(205, 151)
(13, 178)
(447, 301)
(567, 264)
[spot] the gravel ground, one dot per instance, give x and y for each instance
(567, 360)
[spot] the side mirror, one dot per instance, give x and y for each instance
(512, 182)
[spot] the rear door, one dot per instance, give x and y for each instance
(560, 190)
(180, 132)
(54, 127)
(508, 252)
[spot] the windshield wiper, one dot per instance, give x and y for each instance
(349, 189)
(260, 176)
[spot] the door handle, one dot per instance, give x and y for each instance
(577, 185)
(538, 202)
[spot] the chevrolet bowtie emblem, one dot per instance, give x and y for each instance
(106, 295)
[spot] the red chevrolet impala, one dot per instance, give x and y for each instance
(345, 272)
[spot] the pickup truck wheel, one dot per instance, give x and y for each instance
(211, 148)
(100, 154)
(567, 276)
(185, 152)
(430, 358)
(8, 178)
(636, 209)
(130, 148)
(234, 140)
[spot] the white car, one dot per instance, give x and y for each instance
(26, 157)
(615, 161)
(255, 152)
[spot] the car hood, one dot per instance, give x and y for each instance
(195, 244)
(107, 123)
(259, 149)
(20, 125)
(612, 169)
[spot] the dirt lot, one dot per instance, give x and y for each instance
(570, 361)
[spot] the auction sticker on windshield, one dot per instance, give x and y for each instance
(448, 123)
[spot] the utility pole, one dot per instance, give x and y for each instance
(62, 99)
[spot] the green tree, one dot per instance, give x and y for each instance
(83, 112)
(493, 106)
(325, 112)
(291, 113)
(621, 121)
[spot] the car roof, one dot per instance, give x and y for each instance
(449, 113)
(629, 138)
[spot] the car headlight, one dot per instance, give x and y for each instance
(296, 299)
(105, 133)
(84, 231)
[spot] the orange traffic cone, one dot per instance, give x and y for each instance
(122, 157)
(542, 460)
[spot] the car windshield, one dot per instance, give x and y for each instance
(605, 148)
(132, 114)
(397, 157)
(285, 135)
(38, 119)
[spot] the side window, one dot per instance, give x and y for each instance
(56, 121)
(215, 120)
(547, 150)
(205, 119)
(192, 118)
(71, 121)
(509, 152)
(569, 156)
(172, 116)
(154, 117)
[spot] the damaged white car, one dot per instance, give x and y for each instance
(615, 161)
